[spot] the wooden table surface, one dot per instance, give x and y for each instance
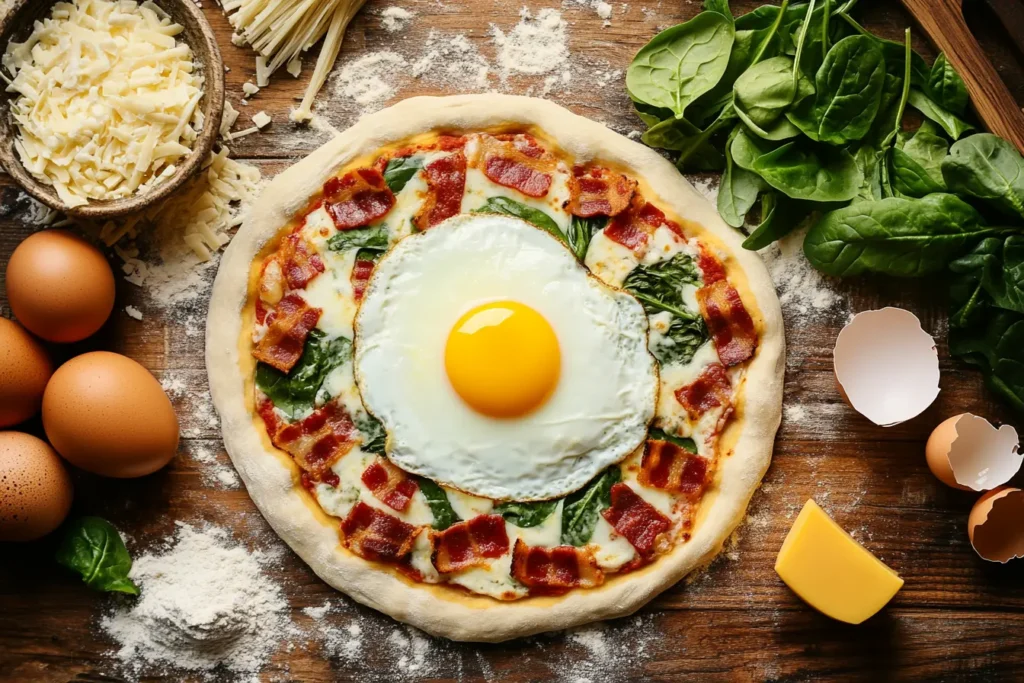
(957, 617)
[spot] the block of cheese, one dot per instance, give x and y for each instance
(831, 571)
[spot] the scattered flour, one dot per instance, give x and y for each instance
(805, 293)
(371, 80)
(396, 18)
(535, 46)
(206, 603)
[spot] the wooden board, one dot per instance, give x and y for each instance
(957, 618)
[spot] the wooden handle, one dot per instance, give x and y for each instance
(943, 21)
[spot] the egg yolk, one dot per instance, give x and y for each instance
(503, 359)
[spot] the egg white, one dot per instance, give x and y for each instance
(606, 393)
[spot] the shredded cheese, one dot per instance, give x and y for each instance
(281, 30)
(107, 99)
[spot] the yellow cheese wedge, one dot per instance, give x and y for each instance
(831, 571)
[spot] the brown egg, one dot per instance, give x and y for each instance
(106, 414)
(35, 489)
(24, 371)
(996, 532)
(59, 286)
(936, 452)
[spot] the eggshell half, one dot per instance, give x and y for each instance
(980, 457)
(996, 525)
(887, 366)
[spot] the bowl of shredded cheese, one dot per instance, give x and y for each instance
(109, 105)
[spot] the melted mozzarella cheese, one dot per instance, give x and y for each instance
(467, 506)
(479, 189)
(339, 501)
(611, 550)
(340, 384)
(663, 245)
(494, 580)
(420, 558)
(609, 261)
(547, 534)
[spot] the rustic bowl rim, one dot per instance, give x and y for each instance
(210, 61)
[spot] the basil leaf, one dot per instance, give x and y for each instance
(581, 231)
(659, 286)
(526, 515)
(989, 168)
(366, 238)
(92, 547)
(581, 508)
(374, 435)
(681, 63)
(295, 392)
(683, 442)
(848, 91)
(437, 499)
(894, 236)
(400, 171)
(738, 190)
(952, 124)
(510, 207)
(946, 87)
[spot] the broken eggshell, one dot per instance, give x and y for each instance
(968, 453)
(994, 525)
(887, 366)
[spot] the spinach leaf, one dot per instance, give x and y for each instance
(683, 442)
(766, 90)
(581, 231)
(400, 171)
(946, 87)
(868, 158)
(681, 63)
(375, 238)
(746, 149)
(987, 167)
(295, 392)
(437, 499)
(526, 515)
(953, 125)
(996, 267)
(893, 52)
(681, 341)
(692, 143)
(720, 6)
(510, 207)
(738, 190)
(994, 342)
(374, 435)
(369, 254)
(659, 286)
(910, 178)
(779, 130)
(92, 547)
(848, 91)
(780, 215)
(582, 508)
(894, 236)
(801, 171)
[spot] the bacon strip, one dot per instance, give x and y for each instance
(711, 389)
(299, 261)
(446, 183)
(728, 321)
(389, 484)
(600, 192)
(633, 227)
(517, 162)
(376, 535)
(360, 278)
(711, 268)
(470, 544)
(357, 198)
(673, 468)
(318, 440)
(289, 325)
(555, 570)
(635, 519)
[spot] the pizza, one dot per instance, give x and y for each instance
(493, 369)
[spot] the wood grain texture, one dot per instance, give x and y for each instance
(943, 21)
(956, 619)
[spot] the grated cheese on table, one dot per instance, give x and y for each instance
(107, 99)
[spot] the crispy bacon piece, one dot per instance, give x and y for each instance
(710, 267)
(600, 192)
(446, 183)
(318, 440)
(633, 227)
(555, 570)
(375, 535)
(711, 389)
(470, 544)
(261, 311)
(299, 261)
(673, 468)
(390, 485)
(636, 519)
(517, 162)
(289, 325)
(357, 198)
(361, 273)
(444, 143)
(728, 321)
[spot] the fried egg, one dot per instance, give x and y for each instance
(498, 364)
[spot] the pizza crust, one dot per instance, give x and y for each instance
(438, 609)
